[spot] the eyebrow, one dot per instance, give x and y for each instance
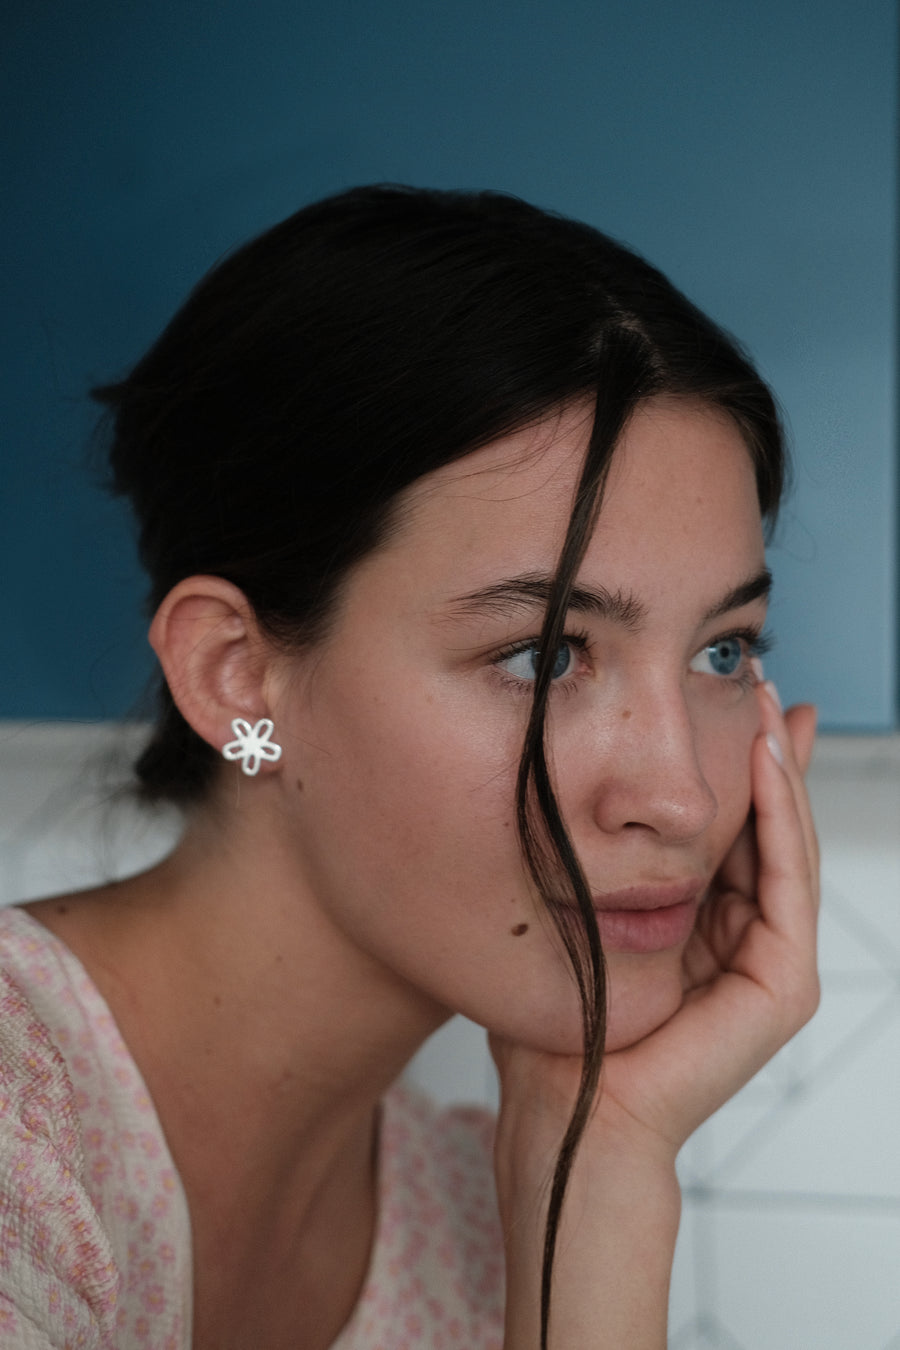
(755, 588)
(532, 590)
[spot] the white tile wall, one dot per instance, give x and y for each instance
(791, 1232)
(65, 819)
(791, 1237)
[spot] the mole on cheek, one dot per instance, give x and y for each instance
(299, 784)
(519, 929)
(626, 714)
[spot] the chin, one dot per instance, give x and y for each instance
(640, 1000)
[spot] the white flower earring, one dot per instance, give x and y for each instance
(252, 744)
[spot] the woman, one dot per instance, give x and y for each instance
(453, 516)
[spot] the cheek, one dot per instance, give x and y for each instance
(407, 789)
(724, 742)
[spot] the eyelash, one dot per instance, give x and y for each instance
(754, 640)
(755, 643)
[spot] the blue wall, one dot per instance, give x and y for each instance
(747, 149)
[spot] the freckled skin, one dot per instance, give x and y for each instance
(407, 725)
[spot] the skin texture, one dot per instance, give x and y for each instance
(320, 920)
(407, 732)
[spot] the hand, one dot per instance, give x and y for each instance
(750, 983)
(749, 969)
(750, 979)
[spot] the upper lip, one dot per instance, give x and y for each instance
(656, 895)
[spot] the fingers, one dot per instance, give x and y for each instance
(801, 724)
(788, 849)
(794, 733)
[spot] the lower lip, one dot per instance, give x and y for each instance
(646, 930)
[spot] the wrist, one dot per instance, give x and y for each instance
(614, 1251)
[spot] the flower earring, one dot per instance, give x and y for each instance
(252, 744)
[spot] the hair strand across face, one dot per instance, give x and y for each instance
(356, 347)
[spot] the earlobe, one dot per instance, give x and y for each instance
(216, 663)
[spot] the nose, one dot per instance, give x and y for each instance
(651, 775)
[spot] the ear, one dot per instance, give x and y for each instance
(214, 657)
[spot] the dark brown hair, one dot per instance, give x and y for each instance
(364, 342)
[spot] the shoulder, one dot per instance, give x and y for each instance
(58, 1280)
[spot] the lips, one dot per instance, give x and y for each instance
(661, 895)
(649, 918)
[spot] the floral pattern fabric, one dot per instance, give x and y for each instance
(95, 1243)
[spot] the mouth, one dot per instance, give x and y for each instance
(652, 918)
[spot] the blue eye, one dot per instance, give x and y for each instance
(723, 658)
(523, 663)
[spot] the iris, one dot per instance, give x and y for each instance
(725, 656)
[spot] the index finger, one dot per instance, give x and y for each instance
(788, 847)
(794, 733)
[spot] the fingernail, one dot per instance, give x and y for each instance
(756, 666)
(773, 694)
(775, 748)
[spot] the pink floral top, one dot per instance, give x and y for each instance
(95, 1241)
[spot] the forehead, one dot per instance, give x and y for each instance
(528, 474)
(679, 471)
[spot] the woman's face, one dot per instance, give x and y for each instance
(402, 730)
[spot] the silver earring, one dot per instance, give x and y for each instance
(252, 744)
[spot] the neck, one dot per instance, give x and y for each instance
(266, 1040)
